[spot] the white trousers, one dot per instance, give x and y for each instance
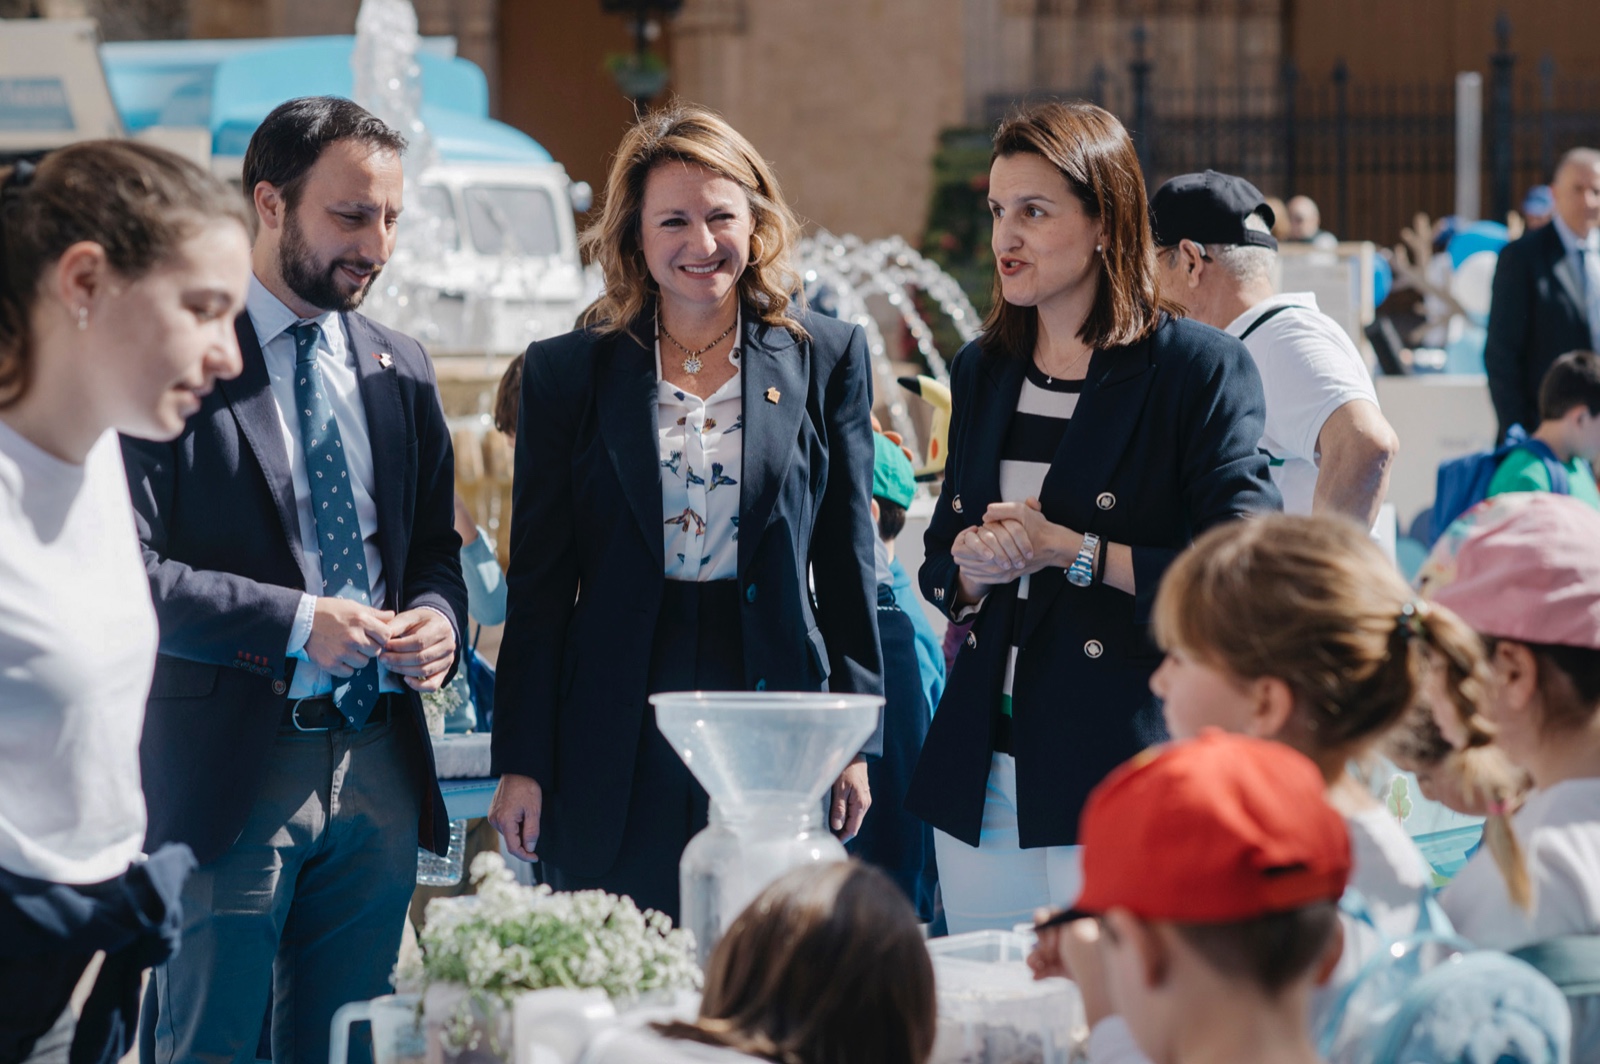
(997, 884)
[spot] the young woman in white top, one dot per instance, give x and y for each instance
(1522, 569)
(1298, 628)
(121, 268)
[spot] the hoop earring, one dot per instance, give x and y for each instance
(83, 318)
(757, 249)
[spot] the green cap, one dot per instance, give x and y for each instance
(892, 476)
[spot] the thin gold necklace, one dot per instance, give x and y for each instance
(1050, 378)
(691, 360)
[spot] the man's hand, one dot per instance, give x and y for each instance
(346, 635)
(514, 813)
(852, 797)
(421, 646)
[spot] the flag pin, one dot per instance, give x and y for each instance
(383, 359)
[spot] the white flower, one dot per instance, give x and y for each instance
(508, 938)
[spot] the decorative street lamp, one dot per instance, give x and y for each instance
(642, 73)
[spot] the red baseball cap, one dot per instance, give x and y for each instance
(1216, 829)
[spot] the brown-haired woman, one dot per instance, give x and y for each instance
(121, 269)
(684, 463)
(826, 966)
(1094, 434)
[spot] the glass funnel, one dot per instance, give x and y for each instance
(765, 759)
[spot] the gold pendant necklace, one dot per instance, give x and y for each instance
(691, 360)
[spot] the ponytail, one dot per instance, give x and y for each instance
(1485, 775)
(16, 369)
(139, 203)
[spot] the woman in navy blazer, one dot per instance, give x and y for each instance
(691, 511)
(1094, 434)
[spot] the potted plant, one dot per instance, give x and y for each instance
(478, 952)
(640, 75)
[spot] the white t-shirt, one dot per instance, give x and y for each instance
(622, 1045)
(1309, 368)
(1559, 829)
(77, 650)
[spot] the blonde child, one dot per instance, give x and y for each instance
(1524, 571)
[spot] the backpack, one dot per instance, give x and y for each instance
(1431, 998)
(1464, 482)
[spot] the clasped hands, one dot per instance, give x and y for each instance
(1014, 539)
(417, 645)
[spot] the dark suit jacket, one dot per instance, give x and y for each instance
(587, 568)
(1537, 315)
(216, 514)
(1164, 444)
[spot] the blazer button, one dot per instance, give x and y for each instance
(279, 687)
(972, 640)
(1093, 648)
(761, 685)
(1106, 500)
(750, 593)
(955, 504)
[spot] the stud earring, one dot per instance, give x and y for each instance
(83, 318)
(1099, 249)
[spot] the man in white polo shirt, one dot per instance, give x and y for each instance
(1330, 446)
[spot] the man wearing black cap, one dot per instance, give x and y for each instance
(1330, 446)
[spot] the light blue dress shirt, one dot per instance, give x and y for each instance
(1584, 254)
(272, 321)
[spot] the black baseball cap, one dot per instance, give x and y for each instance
(1209, 208)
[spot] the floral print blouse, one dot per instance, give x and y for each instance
(702, 458)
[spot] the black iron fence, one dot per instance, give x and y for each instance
(1371, 155)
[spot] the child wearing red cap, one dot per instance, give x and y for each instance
(1214, 868)
(1524, 571)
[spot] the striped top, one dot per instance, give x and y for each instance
(1044, 409)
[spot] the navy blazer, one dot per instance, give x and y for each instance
(216, 515)
(587, 558)
(1537, 314)
(1165, 443)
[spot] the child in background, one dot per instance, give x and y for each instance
(1209, 953)
(1524, 571)
(890, 837)
(1569, 413)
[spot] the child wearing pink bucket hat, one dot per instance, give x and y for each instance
(1524, 571)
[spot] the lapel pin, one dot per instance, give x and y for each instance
(383, 359)
(773, 395)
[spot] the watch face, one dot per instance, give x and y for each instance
(1079, 577)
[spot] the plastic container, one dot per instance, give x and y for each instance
(991, 1011)
(765, 759)
(436, 871)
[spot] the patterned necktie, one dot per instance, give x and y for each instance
(342, 552)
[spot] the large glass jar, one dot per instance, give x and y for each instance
(766, 759)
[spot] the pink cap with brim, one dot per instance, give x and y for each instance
(1522, 566)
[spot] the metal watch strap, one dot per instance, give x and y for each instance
(1081, 572)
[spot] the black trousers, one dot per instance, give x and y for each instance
(698, 646)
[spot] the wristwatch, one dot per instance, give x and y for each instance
(1081, 572)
